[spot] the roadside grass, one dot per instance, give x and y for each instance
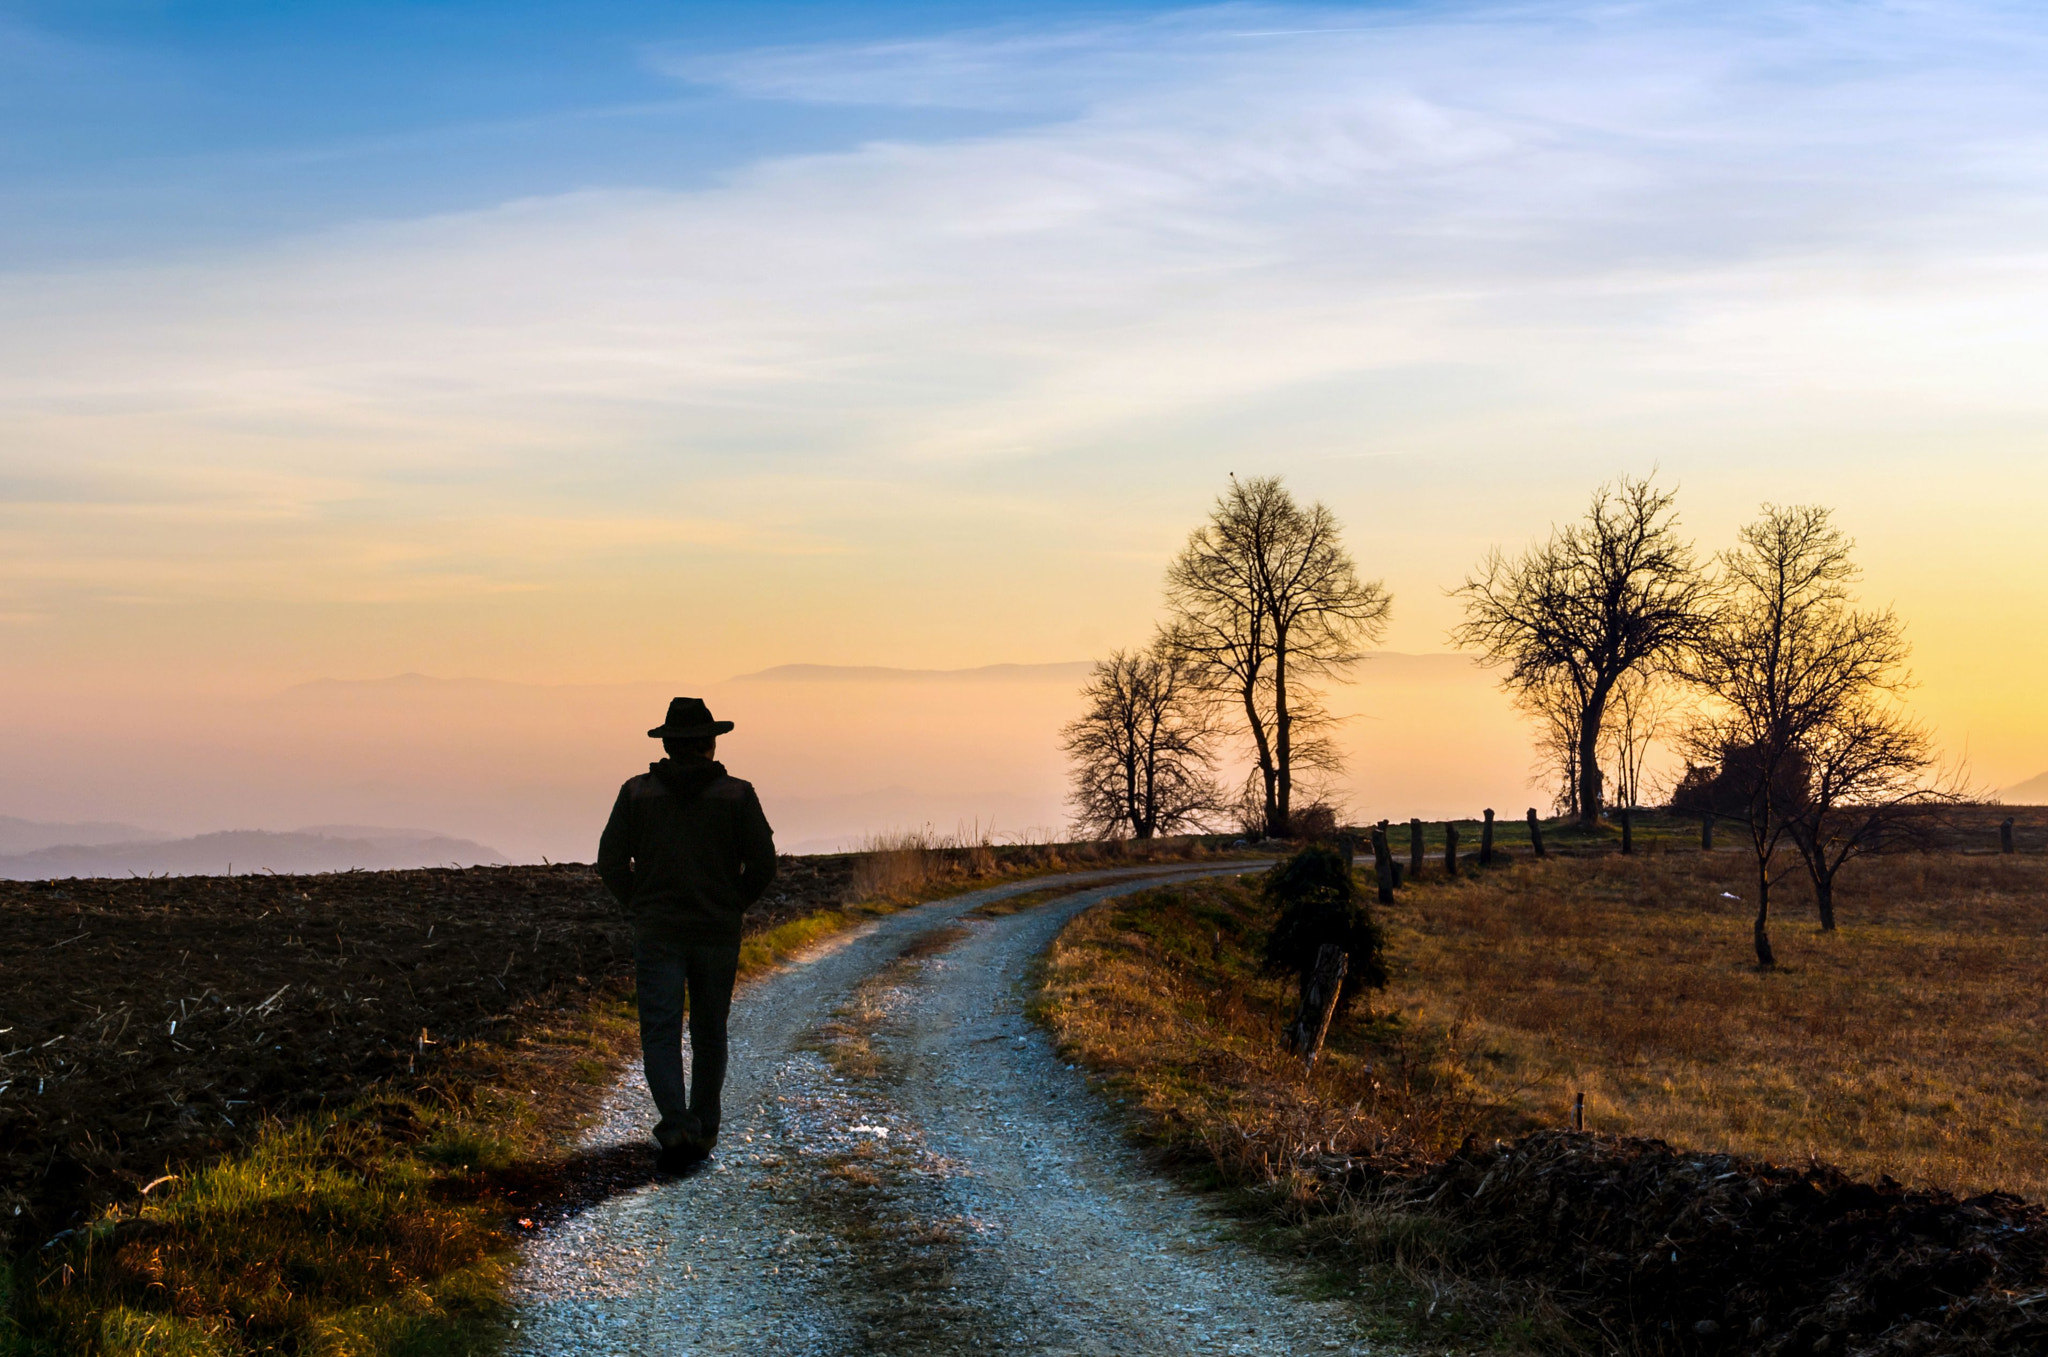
(912, 866)
(383, 1227)
(389, 1225)
(1904, 1044)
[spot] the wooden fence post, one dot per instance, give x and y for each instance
(1707, 832)
(1415, 850)
(1450, 849)
(1348, 845)
(1628, 829)
(1319, 1003)
(1383, 863)
(1535, 832)
(1578, 1111)
(1486, 840)
(2005, 836)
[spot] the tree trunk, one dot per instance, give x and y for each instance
(1764, 956)
(1589, 756)
(1263, 746)
(1134, 810)
(1283, 733)
(1628, 830)
(1824, 896)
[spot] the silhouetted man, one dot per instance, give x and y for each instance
(686, 851)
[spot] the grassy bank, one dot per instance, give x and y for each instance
(1900, 1045)
(381, 1215)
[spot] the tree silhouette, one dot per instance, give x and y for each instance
(1802, 735)
(1614, 594)
(1142, 752)
(1264, 598)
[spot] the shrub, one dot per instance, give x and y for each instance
(1317, 903)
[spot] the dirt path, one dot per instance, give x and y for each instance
(907, 1168)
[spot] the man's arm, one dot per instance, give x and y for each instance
(615, 851)
(757, 850)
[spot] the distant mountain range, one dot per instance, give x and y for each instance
(2032, 792)
(1070, 671)
(321, 848)
(26, 836)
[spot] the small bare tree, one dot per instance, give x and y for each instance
(1639, 715)
(1143, 752)
(1614, 594)
(1867, 783)
(1800, 731)
(1266, 599)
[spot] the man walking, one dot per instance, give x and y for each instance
(686, 850)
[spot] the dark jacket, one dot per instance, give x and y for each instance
(687, 850)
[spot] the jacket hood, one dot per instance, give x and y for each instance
(685, 778)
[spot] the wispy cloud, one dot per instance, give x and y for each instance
(1482, 214)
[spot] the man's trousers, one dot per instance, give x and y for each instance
(672, 976)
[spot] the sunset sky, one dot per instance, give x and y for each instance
(609, 343)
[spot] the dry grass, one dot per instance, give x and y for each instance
(1160, 992)
(1908, 1042)
(910, 866)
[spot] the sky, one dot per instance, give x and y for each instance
(614, 343)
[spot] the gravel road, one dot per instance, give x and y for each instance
(906, 1167)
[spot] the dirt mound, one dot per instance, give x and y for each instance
(1709, 1253)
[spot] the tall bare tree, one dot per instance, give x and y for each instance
(1800, 732)
(1616, 593)
(1266, 599)
(1142, 754)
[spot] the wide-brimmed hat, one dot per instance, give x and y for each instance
(689, 719)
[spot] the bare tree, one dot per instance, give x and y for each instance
(1867, 771)
(1142, 753)
(1800, 733)
(1615, 594)
(1266, 599)
(1639, 715)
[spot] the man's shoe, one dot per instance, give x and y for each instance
(677, 1159)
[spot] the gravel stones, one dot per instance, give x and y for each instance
(907, 1167)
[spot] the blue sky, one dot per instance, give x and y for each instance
(131, 128)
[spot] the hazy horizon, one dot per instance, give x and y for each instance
(838, 753)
